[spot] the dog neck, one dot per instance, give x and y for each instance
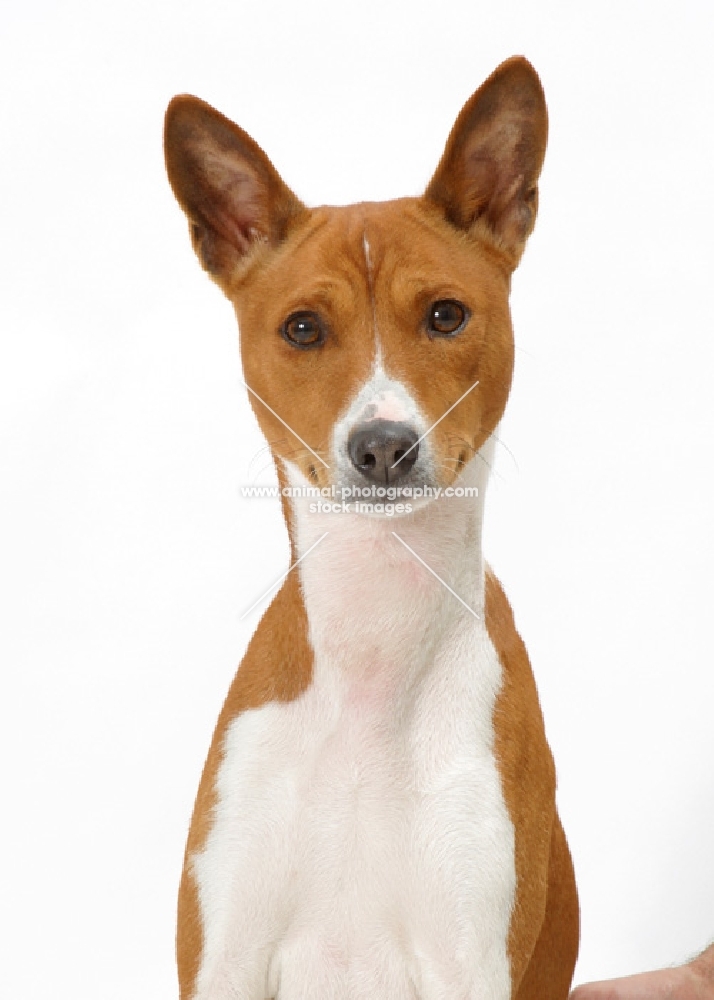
(383, 594)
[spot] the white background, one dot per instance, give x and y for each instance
(128, 554)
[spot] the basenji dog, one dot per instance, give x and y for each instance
(376, 818)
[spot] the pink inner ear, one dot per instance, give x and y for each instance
(481, 182)
(225, 183)
(233, 200)
(492, 163)
(494, 179)
(493, 157)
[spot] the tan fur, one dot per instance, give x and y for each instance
(544, 932)
(272, 256)
(277, 666)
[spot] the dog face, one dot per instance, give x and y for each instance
(380, 334)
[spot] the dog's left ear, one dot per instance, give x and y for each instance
(489, 171)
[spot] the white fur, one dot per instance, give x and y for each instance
(361, 847)
(373, 302)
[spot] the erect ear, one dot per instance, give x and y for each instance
(230, 191)
(493, 157)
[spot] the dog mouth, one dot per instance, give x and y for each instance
(382, 495)
(383, 470)
(341, 490)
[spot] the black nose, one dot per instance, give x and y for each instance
(379, 450)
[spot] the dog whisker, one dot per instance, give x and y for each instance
(505, 447)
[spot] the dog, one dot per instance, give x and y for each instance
(376, 819)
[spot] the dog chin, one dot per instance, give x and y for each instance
(386, 502)
(387, 510)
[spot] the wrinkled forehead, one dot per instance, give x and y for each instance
(321, 265)
(375, 260)
(383, 241)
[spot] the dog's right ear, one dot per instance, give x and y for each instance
(230, 191)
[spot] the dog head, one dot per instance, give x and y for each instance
(376, 338)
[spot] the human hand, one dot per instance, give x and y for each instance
(693, 981)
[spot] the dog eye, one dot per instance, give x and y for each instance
(303, 329)
(446, 317)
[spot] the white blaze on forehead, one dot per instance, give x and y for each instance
(365, 244)
(373, 302)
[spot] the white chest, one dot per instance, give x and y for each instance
(361, 846)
